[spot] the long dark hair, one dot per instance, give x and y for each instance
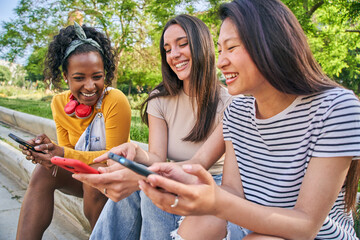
(55, 64)
(278, 46)
(204, 85)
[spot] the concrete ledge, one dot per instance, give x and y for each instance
(30, 123)
(14, 161)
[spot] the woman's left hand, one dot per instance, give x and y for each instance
(194, 199)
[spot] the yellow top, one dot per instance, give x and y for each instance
(117, 117)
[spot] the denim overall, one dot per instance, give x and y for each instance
(136, 217)
(94, 138)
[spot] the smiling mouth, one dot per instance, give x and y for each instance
(231, 75)
(88, 94)
(182, 64)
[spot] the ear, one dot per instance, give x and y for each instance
(65, 77)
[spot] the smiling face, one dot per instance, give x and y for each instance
(242, 75)
(86, 75)
(178, 54)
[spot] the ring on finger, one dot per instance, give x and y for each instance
(176, 201)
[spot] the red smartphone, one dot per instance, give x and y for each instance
(73, 165)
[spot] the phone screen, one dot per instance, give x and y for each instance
(136, 167)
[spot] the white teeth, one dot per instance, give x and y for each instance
(181, 64)
(231, 75)
(88, 95)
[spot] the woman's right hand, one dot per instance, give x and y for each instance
(127, 150)
(196, 198)
(44, 144)
(174, 171)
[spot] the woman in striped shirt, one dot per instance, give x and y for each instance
(291, 140)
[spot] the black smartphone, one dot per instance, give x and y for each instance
(136, 167)
(24, 143)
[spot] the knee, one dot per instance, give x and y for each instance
(92, 194)
(41, 179)
(92, 198)
(202, 227)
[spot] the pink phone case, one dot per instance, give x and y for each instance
(73, 165)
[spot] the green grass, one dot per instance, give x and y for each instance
(38, 103)
(34, 107)
(138, 131)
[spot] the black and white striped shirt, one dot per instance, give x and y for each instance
(273, 154)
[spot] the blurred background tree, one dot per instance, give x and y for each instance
(333, 31)
(134, 27)
(5, 75)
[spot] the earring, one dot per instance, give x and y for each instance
(65, 80)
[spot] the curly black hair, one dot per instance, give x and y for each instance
(54, 58)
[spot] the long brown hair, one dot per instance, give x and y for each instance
(278, 46)
(204, 85)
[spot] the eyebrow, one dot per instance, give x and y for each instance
(77, 73)
(178, 39)
(228, 40)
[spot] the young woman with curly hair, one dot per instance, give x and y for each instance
(90, 119)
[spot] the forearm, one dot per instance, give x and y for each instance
(210, 151)
(286, 223)
(145, 157)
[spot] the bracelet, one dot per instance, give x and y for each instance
(55, 170)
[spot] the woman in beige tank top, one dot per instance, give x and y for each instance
(181, 112)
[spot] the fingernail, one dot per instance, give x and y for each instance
(187, 167)
(37, 147)
(151, 177)
(37, 140)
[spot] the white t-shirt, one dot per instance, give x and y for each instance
(273, 154)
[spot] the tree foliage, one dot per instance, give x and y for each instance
(35, 64)
(134, 27)
(333, 31)
(5, 74)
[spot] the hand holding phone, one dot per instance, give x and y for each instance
(24, 143)
(73, 165)
(136, 167)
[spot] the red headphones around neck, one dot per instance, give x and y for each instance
(73, 107)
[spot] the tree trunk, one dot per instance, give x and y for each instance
(129, 91)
